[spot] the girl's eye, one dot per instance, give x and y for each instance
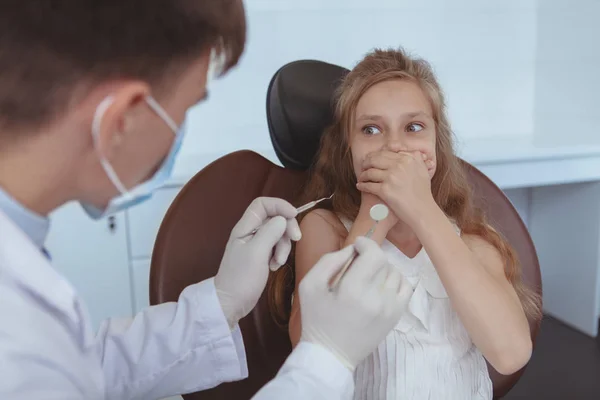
(415, 127)
(371, 130)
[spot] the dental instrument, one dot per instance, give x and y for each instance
(378, 213)
(300, 210)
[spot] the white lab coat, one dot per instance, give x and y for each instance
(48, 350)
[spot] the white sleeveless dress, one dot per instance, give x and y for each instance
(429, 354)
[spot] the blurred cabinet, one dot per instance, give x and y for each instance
(140, 272)
(143, 223)
(94, 256)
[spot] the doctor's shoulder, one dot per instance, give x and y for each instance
(36, 302)
(42, 334)
(37, 341)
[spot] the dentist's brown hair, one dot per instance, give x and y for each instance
(53, 52)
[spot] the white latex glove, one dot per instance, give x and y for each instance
(369, 301)
(244, 268)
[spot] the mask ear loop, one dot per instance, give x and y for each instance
(96, 124)
(215, 64)
(162, 114)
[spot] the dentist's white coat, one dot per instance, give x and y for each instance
(48, 350)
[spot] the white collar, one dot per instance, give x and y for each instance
(34, 225)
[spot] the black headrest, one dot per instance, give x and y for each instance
(300, 107)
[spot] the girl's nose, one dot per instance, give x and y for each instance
(396, 144)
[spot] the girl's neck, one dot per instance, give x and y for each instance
(404, 238)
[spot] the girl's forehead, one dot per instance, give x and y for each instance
(389, 98)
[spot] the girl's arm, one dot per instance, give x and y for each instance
(320, 235)
(472, 272)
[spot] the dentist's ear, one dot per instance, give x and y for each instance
(114, 116)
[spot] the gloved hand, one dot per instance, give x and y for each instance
(244, 268)
(369, 301)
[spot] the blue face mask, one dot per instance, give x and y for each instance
(143, 191)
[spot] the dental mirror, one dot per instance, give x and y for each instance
(379, 212)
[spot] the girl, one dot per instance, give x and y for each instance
(391, 143)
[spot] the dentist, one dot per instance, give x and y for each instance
(92, 98)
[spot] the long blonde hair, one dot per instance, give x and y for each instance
(332, 172)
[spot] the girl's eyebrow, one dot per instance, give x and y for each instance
(407, 115)
(368, 117)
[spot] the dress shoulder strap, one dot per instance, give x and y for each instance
(345, 221)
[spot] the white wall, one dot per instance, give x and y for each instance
(567, 72)
(567, 106)
(483, 52)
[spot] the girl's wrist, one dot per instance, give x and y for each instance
(425, 217)
(387, 224)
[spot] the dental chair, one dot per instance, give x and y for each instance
(192, 237)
